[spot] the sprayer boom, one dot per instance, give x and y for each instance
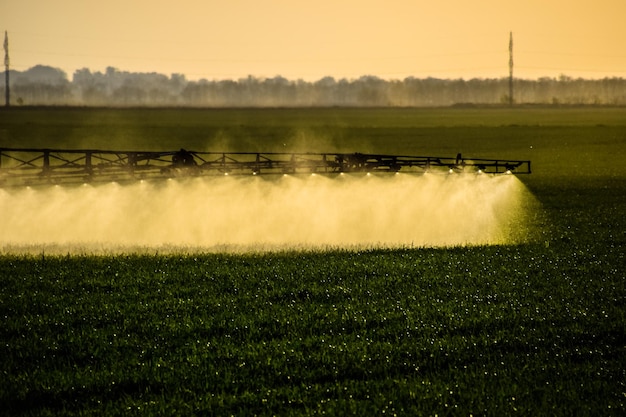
(33, 166)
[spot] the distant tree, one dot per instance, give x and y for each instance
(47, 85)
(130, 95)
(42, 74)
(42, 85)
(371, 91)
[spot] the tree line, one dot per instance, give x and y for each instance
(44, 85)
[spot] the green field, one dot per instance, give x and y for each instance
(534, 329)
(587, 140)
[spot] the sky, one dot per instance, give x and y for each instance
(390, 39)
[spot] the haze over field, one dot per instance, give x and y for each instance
(254, 213)
(391, 39)
(44, 85)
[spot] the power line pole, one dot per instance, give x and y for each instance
(6, 65)
(510, 68)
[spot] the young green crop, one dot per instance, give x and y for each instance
(484, 330)
(535, 328)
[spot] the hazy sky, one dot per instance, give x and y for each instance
(391, 39)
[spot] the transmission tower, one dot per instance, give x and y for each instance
(510, 68)
(6, 65)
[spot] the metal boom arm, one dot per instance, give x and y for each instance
(29, 165)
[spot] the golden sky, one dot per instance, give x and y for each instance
(391, 39)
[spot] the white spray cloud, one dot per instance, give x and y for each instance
(259, 213)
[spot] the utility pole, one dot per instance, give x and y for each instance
(511, 69)
(6, 65)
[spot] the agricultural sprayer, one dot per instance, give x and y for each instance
(20, 166)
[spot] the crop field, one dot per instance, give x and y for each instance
(535, 326)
